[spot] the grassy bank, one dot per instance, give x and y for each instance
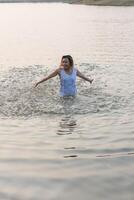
(87, 2)
(108, 2)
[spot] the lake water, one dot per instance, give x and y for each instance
(74, 149)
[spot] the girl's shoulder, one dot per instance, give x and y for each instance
(59, 69)
(75, 68)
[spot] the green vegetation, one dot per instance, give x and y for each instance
(109, 2)
(87, 2)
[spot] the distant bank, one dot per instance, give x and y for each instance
(87, 2)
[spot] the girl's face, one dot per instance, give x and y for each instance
(65, 63)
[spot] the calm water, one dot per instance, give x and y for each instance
(77, 149)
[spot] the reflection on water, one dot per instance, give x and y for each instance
(67, 126)
(68, 123)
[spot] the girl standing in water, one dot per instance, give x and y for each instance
(67, 74)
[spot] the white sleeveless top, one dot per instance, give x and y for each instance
(68, 83)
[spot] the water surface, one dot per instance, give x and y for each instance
(79, 148)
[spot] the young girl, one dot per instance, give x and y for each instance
(67, 74)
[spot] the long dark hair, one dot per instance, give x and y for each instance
(69, 58)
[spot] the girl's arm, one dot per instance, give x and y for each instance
(79, 74)
(55, 73)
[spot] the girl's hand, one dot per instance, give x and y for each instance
(36, 85)
(91, 80)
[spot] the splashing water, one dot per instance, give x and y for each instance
(18, 97)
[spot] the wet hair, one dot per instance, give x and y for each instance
(69, 58)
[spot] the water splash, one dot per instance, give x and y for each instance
(18, 97)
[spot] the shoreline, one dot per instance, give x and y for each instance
(82, 2)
